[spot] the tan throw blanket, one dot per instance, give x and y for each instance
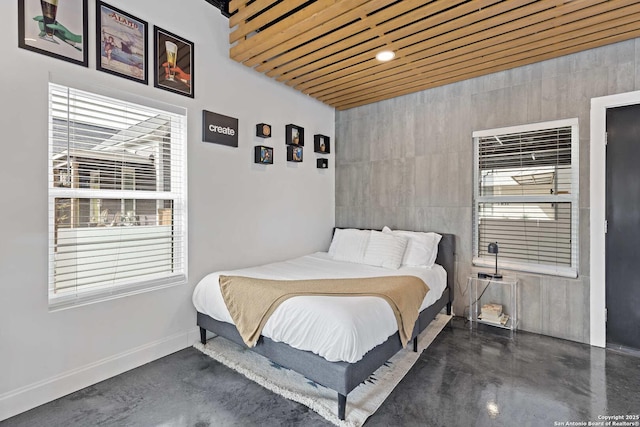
(251, 301)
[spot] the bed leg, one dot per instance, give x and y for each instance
(342, 405)
(449, 308)
(203, 336)
(415, 344)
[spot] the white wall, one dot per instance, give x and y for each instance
(239, 213)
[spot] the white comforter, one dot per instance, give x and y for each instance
(336, 328)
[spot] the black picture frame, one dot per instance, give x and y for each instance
(219, 129)
(121, 43)
(294, 153)
(263, 155)
(294, 135)
(68, 41)
(321, 144)
(322, 163)
(183, 82)
(263, 130)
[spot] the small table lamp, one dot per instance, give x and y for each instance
(493, 249)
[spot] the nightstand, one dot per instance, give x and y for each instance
(498, 297)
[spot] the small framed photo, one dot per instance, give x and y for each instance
(121, 43)
(173, 62)
(294, 135)
(321, 144)
(294, 154)
(56, 30)
(263, 130)
(263, 155)
(322, 163)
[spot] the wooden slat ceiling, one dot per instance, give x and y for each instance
(327, 48)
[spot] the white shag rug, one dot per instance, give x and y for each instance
(362, 402)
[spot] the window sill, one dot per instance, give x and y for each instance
(527, 268)
(87, 297)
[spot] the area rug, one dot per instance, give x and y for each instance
(362, 402)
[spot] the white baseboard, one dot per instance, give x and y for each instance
(24, 398)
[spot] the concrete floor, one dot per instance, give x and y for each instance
(480, 378)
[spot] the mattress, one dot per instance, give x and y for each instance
(336, 328)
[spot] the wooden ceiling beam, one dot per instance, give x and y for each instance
(442, 43)
(326, 48)
(351, 39)
(334, 34)
(303, 45)
(344, 59)
(423, 84)
(468, 53)
(436, 35)
(247, 27)
(479, 40)
(245, 11)
(236, 4)
(511, 52)
(309, 17)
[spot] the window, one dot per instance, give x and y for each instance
(526, 197)
(117, 188)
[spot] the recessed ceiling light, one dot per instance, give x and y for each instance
(385, 55)
(492, 408)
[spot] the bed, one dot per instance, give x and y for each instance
(345, 368)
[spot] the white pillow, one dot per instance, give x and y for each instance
(334, 242)
(434, 239)
(349, 244)
(385, 250)
(422, 248)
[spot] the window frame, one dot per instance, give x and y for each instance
(177, 195)
(572, 198)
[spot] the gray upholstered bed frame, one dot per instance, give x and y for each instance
(342, 376)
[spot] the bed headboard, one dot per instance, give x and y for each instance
(446, 258)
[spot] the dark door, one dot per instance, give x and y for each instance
(623, 231)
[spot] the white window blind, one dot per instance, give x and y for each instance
(117, 188)
(526, 197)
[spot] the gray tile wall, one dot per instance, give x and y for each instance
(407, 163)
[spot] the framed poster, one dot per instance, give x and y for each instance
(59, 31)
(121, 44)
(173, 62)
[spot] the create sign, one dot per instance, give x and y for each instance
(219, 129)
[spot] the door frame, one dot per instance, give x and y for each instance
(597, 215)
